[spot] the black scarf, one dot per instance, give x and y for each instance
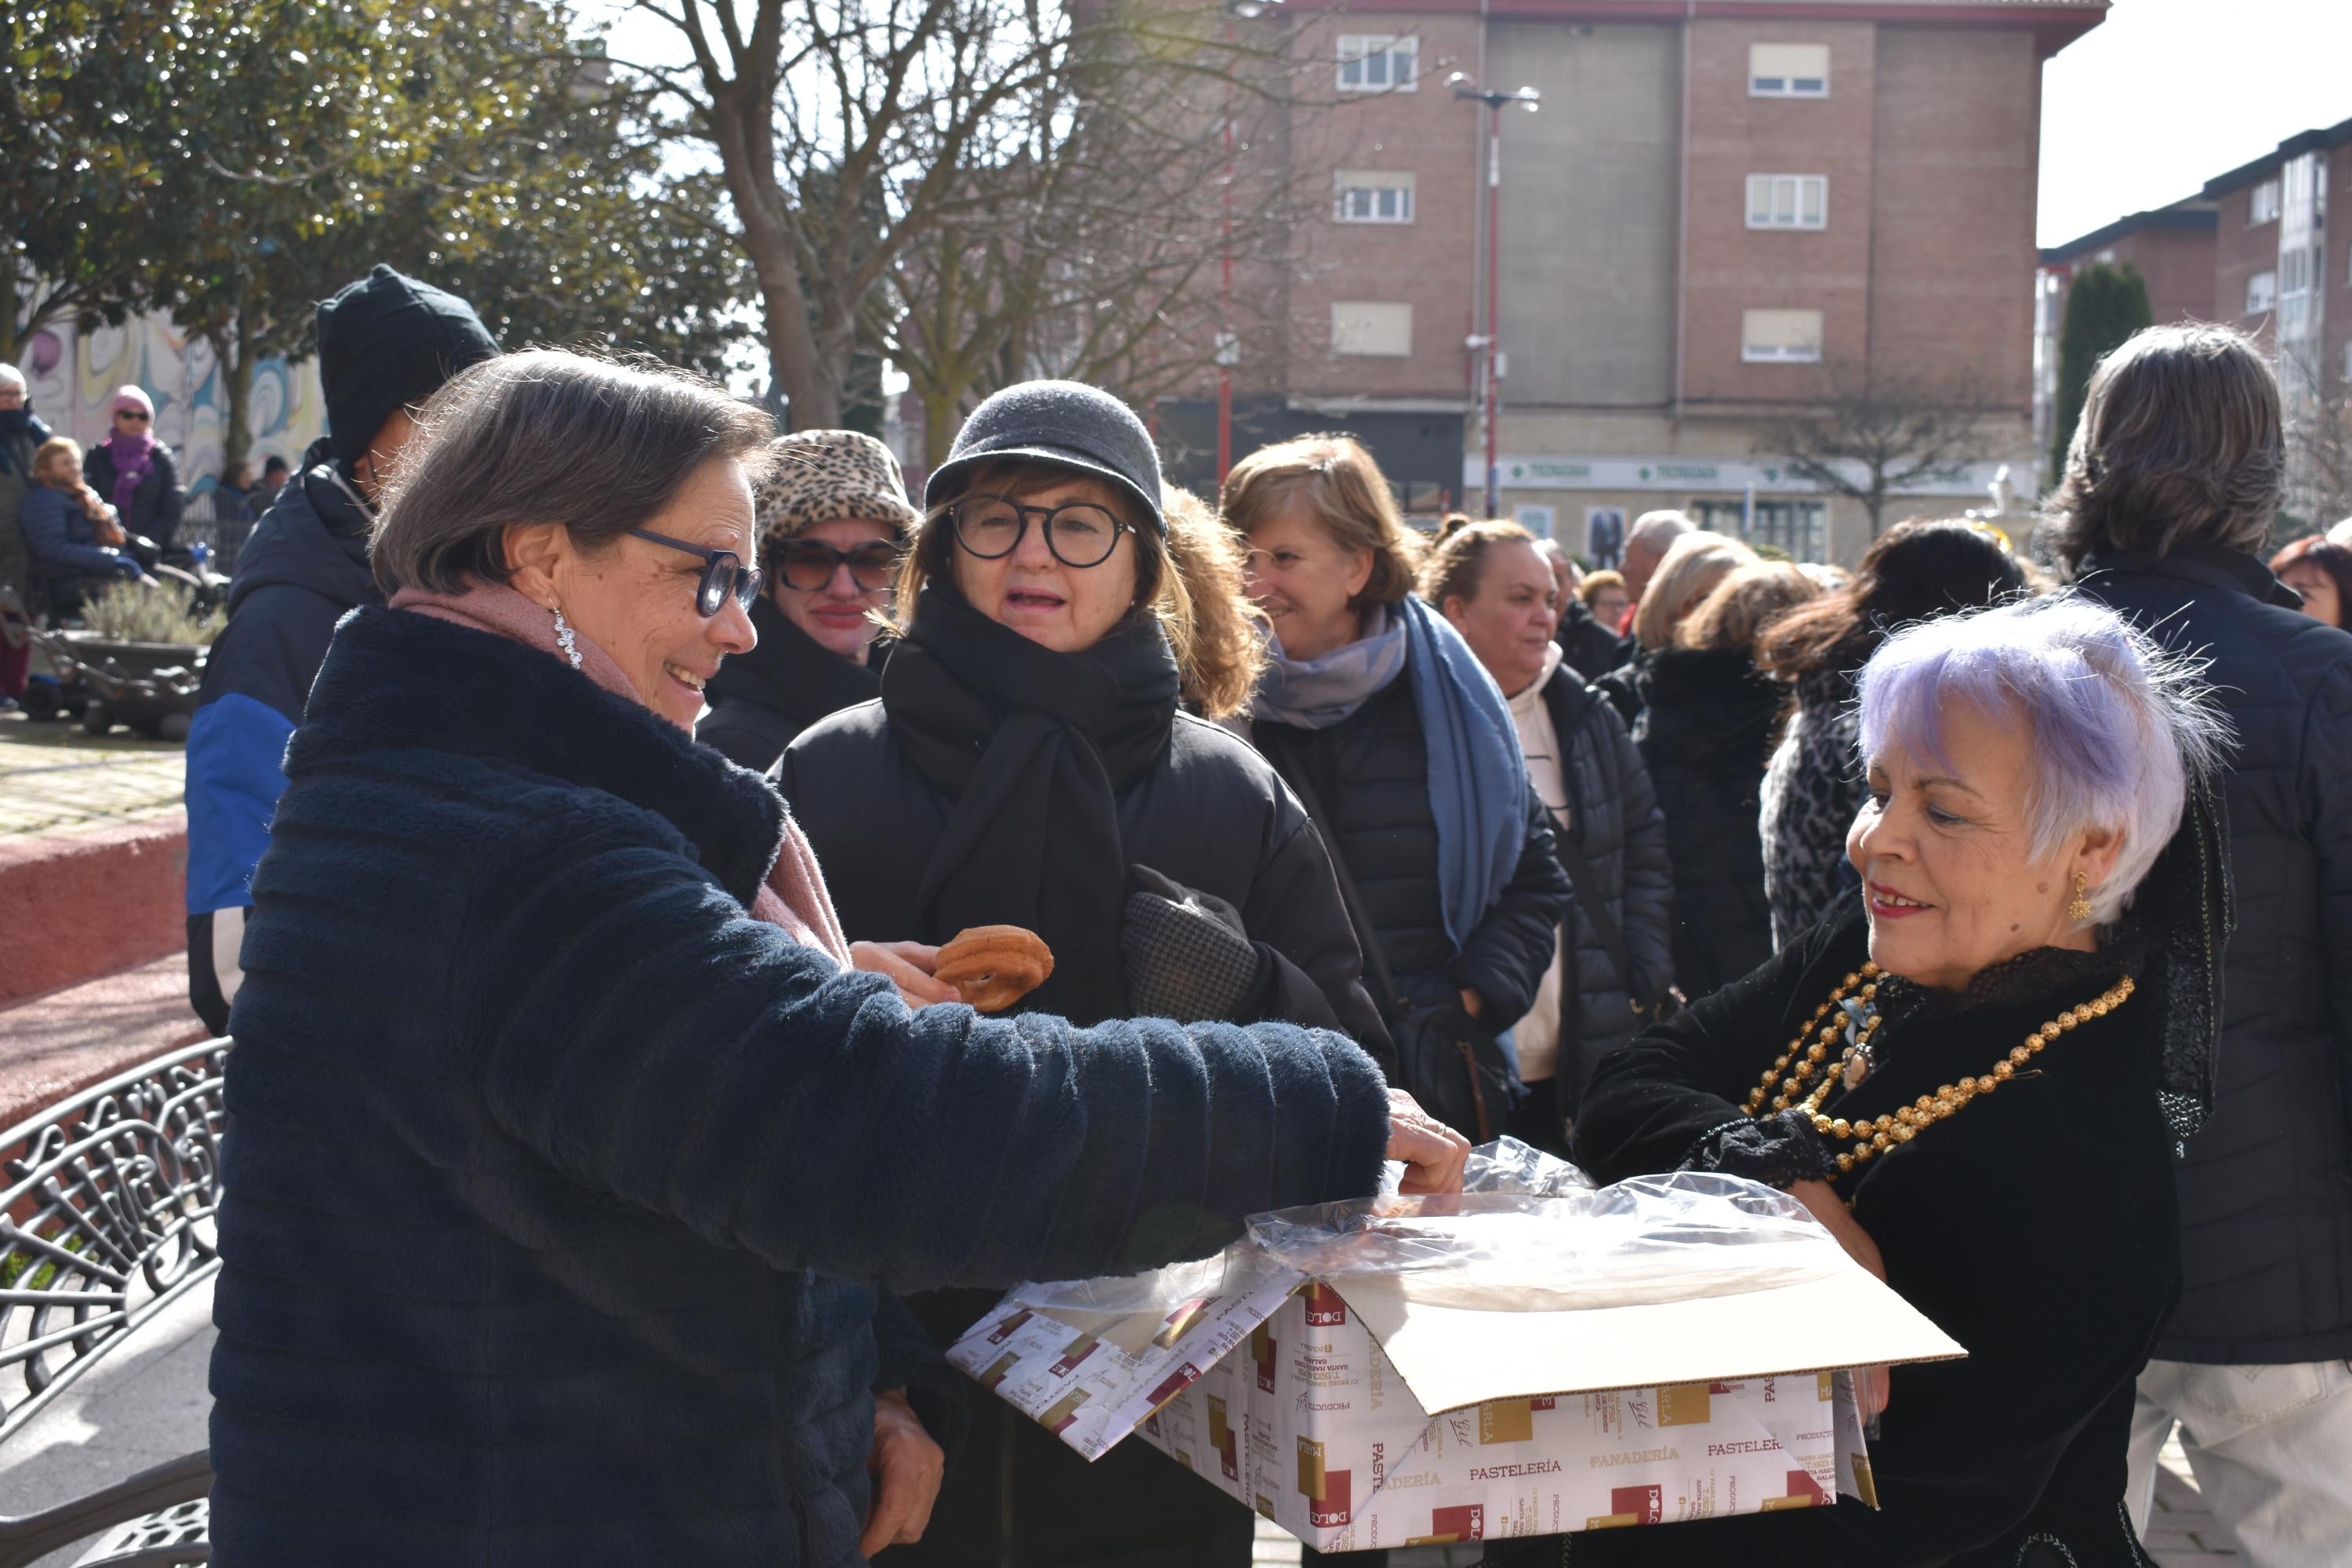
(791, 673)
(1034, 747)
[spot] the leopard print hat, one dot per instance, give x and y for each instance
(815, 476)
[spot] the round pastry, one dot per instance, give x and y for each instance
(995, 966)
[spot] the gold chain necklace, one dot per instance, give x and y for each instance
(1873, 1136)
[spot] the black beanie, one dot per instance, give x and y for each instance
(1066, 423)
(385, 343)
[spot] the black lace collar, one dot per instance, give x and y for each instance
(2038, 975)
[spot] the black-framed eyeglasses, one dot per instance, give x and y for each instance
(131, 414)
(991, 526)
(723, 572)
(809, 564)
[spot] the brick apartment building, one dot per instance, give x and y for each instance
(2251, 249)
(1722, 209)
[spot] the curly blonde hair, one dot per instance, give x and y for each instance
(1226, 650)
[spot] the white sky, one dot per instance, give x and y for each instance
(2165, 94)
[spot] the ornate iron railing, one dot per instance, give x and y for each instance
(108, 1216)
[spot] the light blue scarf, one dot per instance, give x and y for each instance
(1478, 779)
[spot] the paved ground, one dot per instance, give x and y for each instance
(53, 777)
(69, 1040)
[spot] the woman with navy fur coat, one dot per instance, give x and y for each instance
(569, 1139)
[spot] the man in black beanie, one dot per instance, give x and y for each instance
(385, 344)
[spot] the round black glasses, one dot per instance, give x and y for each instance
(991, 526)
(809, 564)
(723, 572)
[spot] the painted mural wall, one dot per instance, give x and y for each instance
(72, 376)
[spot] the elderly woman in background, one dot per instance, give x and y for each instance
(834, 516)
(135, 474)
(1814, 786)
(2321, 572)
(1404, 750)
(22, 433)
(1709, 720)
(1029, 762)
(1692, 566)
(555, 1076)
(1975, 1077)
(1614, 962)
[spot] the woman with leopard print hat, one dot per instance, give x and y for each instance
(834, 516)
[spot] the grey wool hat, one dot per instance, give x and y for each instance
(1061, 422)
(817, 476)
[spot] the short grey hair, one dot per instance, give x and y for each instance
(2181, 441)
(1657, 530)
(11, 376)
(547, 436)
(2119, 724)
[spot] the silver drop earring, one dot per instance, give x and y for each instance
(563, 636)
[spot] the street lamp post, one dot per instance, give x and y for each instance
(1228, 340)
(1489, 335)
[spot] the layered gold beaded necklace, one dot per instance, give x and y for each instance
(1873, 1136)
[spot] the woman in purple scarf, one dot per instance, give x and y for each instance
(135, 473)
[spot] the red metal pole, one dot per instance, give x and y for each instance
(1493, 294)
(1226, 345)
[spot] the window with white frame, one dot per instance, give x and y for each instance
(1792, 337)
(1372, 62)
(1789, 71)
(1787, 201)
(2264, 205)
(2261, 293)
(1373, 195)
(1372, 327)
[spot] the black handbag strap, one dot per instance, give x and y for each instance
(1390, 1003)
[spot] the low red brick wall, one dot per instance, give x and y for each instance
(76, 906)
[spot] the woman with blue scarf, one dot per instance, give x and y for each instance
(1402, 749)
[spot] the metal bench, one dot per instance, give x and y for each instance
(108, 1217)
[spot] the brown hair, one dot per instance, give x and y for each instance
(2181, 441)
(1742, 605)
(1455, 568)
(1596, 583)
(1688, 572)
(1336, 480)
(1226, 650)
(2318, 549)
(1158, 591)
(547, 436)
(1920, 567)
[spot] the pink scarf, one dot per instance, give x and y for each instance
(794, 898)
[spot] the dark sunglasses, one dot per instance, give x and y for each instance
(809, 564)
(131, 413)
(723, 572)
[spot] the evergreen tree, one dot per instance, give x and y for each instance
(2105, 307)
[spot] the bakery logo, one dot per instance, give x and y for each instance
(1864, 1486)
(1262, 1352)
(1324, 1308)
(1174, 1383)
(1063, 1411)
(1824, 1386)
(1804, 1492)
(1689, 1404)
(1220, 1438)
(1179, 1324)
(1329, 1501)
(1631, 1505)
(999, 1370)
(1507, 1421)
(1076, 1350)
(1010, 1326)
(1451, 1526)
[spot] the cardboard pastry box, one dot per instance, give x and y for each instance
(1459, 1397)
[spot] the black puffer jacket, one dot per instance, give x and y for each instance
(1591, 649)
(759, 701)
(1707, 727)
(1615, 822)
(1370, 772)
(2266, 1191)
(155, 505)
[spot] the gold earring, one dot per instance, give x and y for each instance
(2080, 910)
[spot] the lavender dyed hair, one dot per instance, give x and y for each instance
(2119, 725)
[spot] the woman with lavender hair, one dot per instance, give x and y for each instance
(1975, 1075)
